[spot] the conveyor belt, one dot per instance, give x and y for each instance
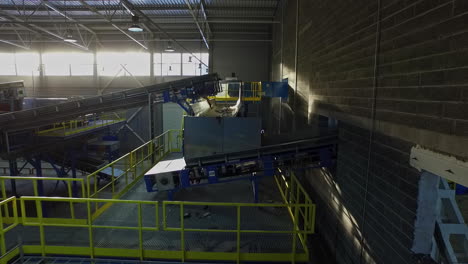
(32, 118)
(277, 149)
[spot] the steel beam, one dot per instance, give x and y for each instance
(93, 9)
(51, 6)
(148, 7)
(153, 24)
(35, 28)
(158, 20)
(14, 44)
(202, 33)
(203, 10)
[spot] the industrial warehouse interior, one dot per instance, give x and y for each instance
(233, 131)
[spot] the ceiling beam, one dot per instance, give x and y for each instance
(35, 28)
(153, 24)
(167, 39)
(14, 44)
(195, 19)
(93, 9)
(149, 8)
(57, 10)
(11, 31)
(203, 10)
(88, 21)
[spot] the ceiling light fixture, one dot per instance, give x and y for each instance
(135, 27)
(169, 47)
(69, 37)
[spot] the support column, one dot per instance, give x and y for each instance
(95, 71)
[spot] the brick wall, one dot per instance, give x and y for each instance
(421, 97)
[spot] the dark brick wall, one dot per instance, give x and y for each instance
(421, 98)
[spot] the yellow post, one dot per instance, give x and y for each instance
(90, 229)
(157, 215)
(140, 231)
(126, 176)
(238, 232)
(112, 180)
(293, 253)
(82, 189)
(161, 147)
(88, 186)
(164, 217)
(7, 213)
(41, 226)
(95, 183)
(134, 164)
(182, 234)
(23, 210)
(70, 194)
(169, 139)
(2, 236)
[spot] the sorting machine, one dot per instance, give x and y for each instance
(222, 143)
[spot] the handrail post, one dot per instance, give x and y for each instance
(2, 234)
(134, 165)
(7, 213)
(70, 194)
(182, 234)
(90, 229)
(294, 242)
(238, 232)
(140, 232)
(41, 225)
(112, 180)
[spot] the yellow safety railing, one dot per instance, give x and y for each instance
(34, 182)
(252, 94)
(127, 228)
(35, 186)
(83, 123)
(125, 171)
(92, 228)
(297, 229)
(8, 247)
(99, 221)
(293, 193)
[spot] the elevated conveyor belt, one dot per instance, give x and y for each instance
(199, 86)
(175, 174)
(300, 146)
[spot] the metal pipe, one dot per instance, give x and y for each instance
(202, 34)
(296, 53)
(372, 125)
